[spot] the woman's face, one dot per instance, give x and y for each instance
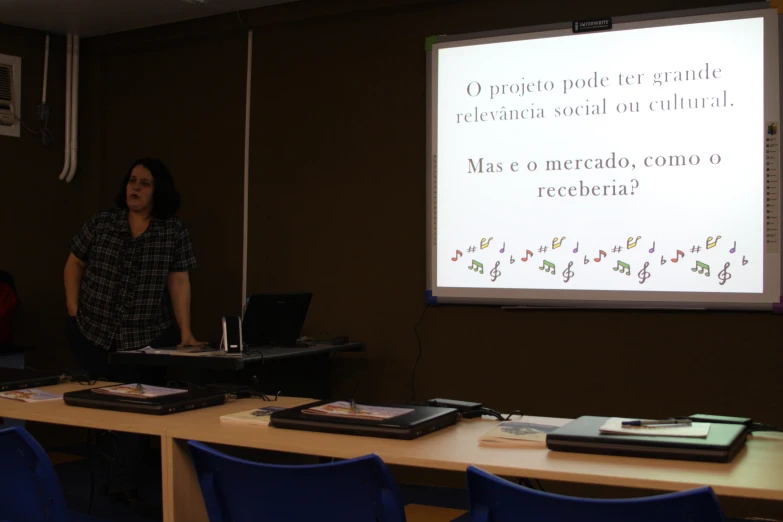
(138, 191)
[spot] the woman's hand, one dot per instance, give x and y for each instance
(189, 340)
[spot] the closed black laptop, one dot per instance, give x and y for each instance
(191, 400)
(582, 435)
(421, 421)
(12, 379)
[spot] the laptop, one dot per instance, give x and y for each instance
(275, 319)
(15, 379)
(186, 401)
(415, 422)
(582, 435)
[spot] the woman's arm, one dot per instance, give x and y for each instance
(74, 270)
(179, 290)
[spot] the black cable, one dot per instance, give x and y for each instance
(515, 412)
(44, 133)
(479, 412)
(418, 357)
(757, 426)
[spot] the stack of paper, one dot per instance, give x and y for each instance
(357, 411)
(615, 426)
(526, 432)
(138, 391)
(30, 395)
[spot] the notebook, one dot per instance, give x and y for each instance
(397, 422)
(154, 405)
(583, 435)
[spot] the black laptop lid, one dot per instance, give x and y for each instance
(17, 379)
(275, 319)
(191, 399)
(418, 415)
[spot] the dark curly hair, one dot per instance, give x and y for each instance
(165, 198)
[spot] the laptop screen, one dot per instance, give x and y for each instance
(275, 319)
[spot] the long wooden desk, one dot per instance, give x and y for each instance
(754, 473)
(57, 412)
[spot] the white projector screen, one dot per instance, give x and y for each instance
(632, 167)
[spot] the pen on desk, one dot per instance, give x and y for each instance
(665, 422)
(139, 388)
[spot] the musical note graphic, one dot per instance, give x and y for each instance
(485, 242)
(663, 261)
(601, 254)
(476, 266)
(711, 243)
(568, 273)
(680, 254)
(512, 261)
(586, 260)
(631, 243)
(556, 243)
(701, 267)
(652, 250)
(495, 273)
(622, 267)
(528, 255)
(734, 248)
(723, 275)
(577, 247)
(504, 247)
(548, 266)
(459, 254)
(743, 261)
(643, 274)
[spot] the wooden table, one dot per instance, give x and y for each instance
(757, 472)
(57, 412)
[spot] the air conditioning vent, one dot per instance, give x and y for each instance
(6, 95)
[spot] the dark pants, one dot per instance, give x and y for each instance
(95, 361)
(120, 454)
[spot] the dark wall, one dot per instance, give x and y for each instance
(38, 212)
(184, 103)
(337, 206)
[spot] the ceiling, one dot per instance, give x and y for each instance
(96, 17)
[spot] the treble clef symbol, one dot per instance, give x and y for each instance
(495, 273)
(723, 275)
(568, 273)
(644, 274)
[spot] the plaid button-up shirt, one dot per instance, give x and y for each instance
(124, 296)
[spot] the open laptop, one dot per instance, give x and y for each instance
(418, 421)
(275, 319)
(189, 400)
(16, 379)
(582, 435)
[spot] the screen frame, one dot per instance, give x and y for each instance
(772, 292)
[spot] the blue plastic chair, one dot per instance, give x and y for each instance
(493, 499)
(237, 490)
(29, 488)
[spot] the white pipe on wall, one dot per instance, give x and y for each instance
(46, 69)
(247, 165)
(74, 109)
(68, 60)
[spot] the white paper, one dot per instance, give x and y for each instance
(615, 427)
